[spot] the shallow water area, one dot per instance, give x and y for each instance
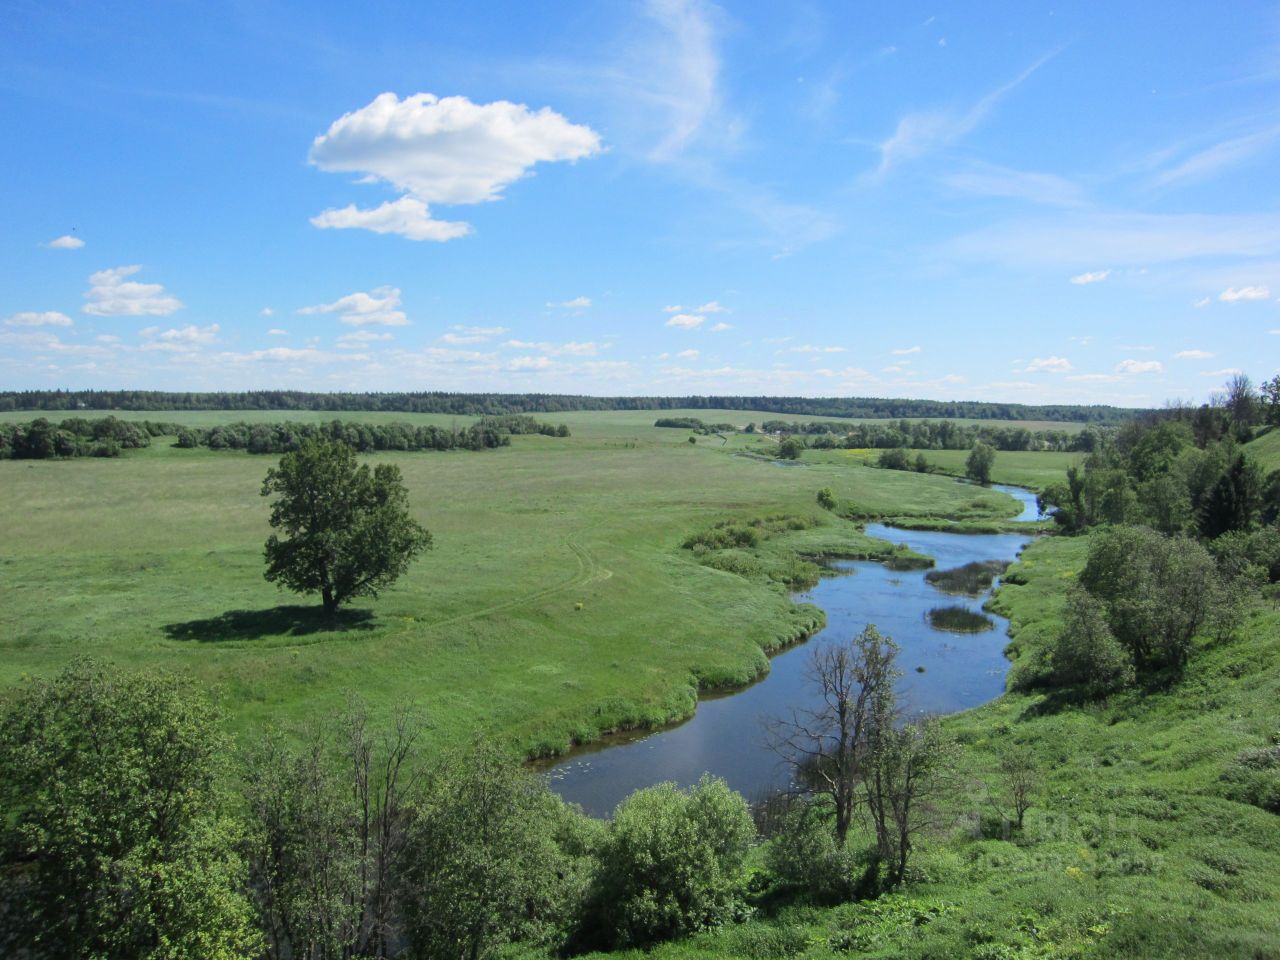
(726, 736)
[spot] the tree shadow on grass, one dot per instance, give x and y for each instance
(294, 621)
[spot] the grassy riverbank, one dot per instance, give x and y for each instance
(156, 558)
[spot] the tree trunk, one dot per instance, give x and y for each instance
(330, 602)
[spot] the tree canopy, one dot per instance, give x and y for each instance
(347, 529)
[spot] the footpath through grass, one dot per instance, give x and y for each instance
(156, 559)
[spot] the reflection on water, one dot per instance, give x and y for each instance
(725, 737)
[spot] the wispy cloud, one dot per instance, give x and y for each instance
(1134, 367)
(904, 351)
(44, 318)
(918, 134)
(1193, 355)
(1221, 156)
(1048, 189)
(1049, 365)
(1232, 295)
(1095, 276)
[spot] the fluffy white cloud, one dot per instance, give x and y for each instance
(1192, 355)
(577, 303)
(179, 338)
(407, 217)
(688, 354)
(460, 335)
(46, 318)
(711, 306)
(904, 351)
(111, 295)
(1092, 276)
(1050, 364)
(1232, 295)
(381, 307)
(65, 242)
(529, 363)
(267, 312)
(277, 332)
(441, 150)
(721, 327)
(686, 320)
(1132, 367)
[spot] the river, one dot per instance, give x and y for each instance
(942, 673)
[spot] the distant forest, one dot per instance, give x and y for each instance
(499, 404)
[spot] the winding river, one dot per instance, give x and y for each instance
(942, 673)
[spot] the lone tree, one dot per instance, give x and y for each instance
(978, 466)
(347, 530)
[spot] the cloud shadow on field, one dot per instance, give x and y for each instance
(290, 620)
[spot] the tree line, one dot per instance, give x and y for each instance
(108, 436)
(480, 404)
(934, 435)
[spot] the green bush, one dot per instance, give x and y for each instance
(673, 862)
(803, 853)
(1086, 654)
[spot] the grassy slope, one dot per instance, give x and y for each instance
(157, 558)
(1135, 849)
(1266, 449)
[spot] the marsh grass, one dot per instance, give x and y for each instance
(959, 620)
(972, 579)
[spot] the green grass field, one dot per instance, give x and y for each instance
(156, 558)
(1020, 468)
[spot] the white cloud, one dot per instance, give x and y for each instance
(683, 70)
(1049, 364)
(711, 306)
(277, 332)
(460, 334)
(1224, 372)
(440, 150)
(1093, 276)
(1193, 355)
(810, 348)
(1134, 367)
(920, 133)
(905, 351)
(572, 349)
(267, 312)
(1202, 302)
(688, 354)
(577, 303)
(188, 334)
(46, 318)
(65, 242)
(686, 320)
(530, 363)
(380, 307)
(1094, 378)
(721, 327)
(360, 338)
(1232, 295)
(111, 295)
(406, 217)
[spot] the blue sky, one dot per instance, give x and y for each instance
(1008, 201)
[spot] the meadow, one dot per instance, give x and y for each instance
(556, 603)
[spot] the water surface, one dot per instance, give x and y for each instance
(726, 735)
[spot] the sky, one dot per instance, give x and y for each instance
(1011, 201)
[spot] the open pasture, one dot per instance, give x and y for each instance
(156, 559)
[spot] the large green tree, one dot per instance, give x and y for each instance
(111, 823)
(347, 529)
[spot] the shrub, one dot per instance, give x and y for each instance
(790, 449)
(826, 499)
(804, 853)
(972, 579)
(895, 459)
(1086, 654)
(673, 862)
